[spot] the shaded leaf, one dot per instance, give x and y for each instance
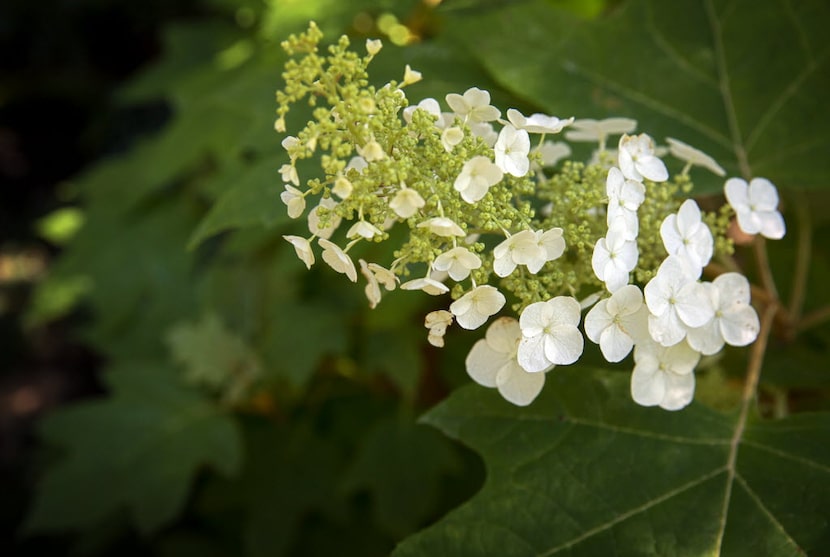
(738, 82)
(402, 464)
(584, 471)
(138, 451)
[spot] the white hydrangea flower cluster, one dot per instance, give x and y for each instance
(481, 205)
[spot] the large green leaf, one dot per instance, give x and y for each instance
(584, 471)
(137, 450)
(739, 80)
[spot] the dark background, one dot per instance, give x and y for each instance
(60, 63)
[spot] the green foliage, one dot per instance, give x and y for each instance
(585, 471)
(181, 279)
(736, 81)
(136, 451)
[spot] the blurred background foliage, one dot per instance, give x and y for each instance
(235, 403)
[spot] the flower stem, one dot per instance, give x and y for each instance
(802, 261)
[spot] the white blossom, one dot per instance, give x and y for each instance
(473, 105)
(371, 151)
(735, 321)
(363, 229)
(664, 376)
(294, 200)
(615, 256)
(337, 259)
(676, 302)
(457, 262)
(451, 137)
(530, 248)
(437, 323)
(373, 46)
(291, 144)
(587, 129)
(616, 323)
(372, 287)
(492, 362)
(756, 207)
(549, 334)
(358, 163)
(624, 198)
(406, 202)
(485, 131)
(474, 308)
(637, 159)
(411, 76)
(685, 235)
(477, 176)
(552, 152)
(288, 172)
(442, 226)
(342, 187)
(512, 148)
(430, 105)
(537, 123)
(302, 248)
(693, 156)
(427, 284)
(327, 204)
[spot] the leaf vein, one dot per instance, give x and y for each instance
(634, 511)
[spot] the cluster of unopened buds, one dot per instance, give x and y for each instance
(482, 204)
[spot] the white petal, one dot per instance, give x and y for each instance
(736, 191)
(694, 306)
(763, 195)
(615, 344)
(740, 325)
(648, 385)
(680, 389)
(652, 168)
(518, 386)
(483, 363)
(531, 354)
(504, 335)
(772, 225)
(666, 329)
(597, 320)
(706, 339)
(564, 346)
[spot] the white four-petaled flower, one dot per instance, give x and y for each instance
(512, 148)
(337, 259)
(616, 323)
(530, 248)
(663, 376)
(477, 176)
(549, 334)
(302, 248)
(637, 159)
(624, 198)
(685, 235)
(735, 321)
(676, 301)
(756, 207)
(406, 202)
(474, 308)
(457, 262)
(693, 156)
(442, 226)
(294, 200)
(473, 105)
(492, 362)
(537, 123)
(615, 256)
